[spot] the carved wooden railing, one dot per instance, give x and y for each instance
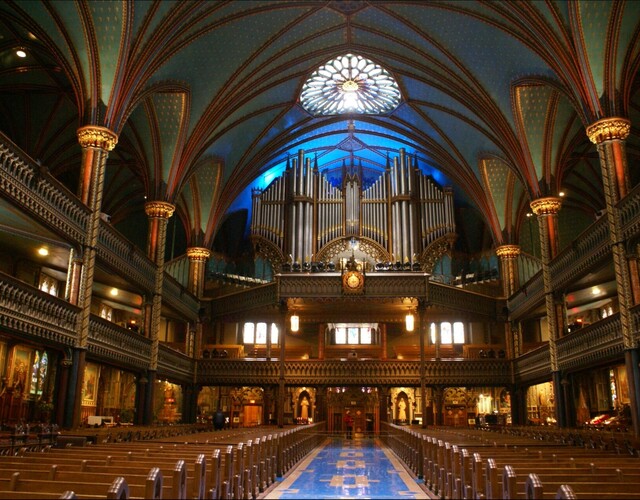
(588, 250)
(113, 343)
(629, 209)
(175, 365)
(588, 345)
(328, 286)
(579, 350)
(534, 365)
(36, 314)
(352, 372)
(29, 187)
(33, 190)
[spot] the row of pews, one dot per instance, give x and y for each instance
(458, 463)
(233, 464)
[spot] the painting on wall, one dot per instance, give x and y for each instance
(90, 388)
(20, 368)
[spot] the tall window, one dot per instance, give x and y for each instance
(350, 84)
(48, 284)
(449, 334)
(38, 373)
(256, 333)
(353, 334)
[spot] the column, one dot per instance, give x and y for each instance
(546, 209)
(322, 329)
(281, 391)
(423, 331)
(197, 266)
(159, 213)
(438, 403)
(383, 341)
(96, 142)
(609, 136)
(508, 255)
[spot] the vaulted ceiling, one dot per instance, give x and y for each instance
(204, 96)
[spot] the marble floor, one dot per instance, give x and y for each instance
(342, 468)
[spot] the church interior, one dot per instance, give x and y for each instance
(249, 213)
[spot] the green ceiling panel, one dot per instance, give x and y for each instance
(108, 25)
(171, 113)
(532, 106)
(495, 180)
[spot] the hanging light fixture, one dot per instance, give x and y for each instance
(409, 321)
(295, 322)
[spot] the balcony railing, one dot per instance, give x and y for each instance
(352, 372)
(32, 189)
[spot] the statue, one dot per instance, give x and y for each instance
(304, 408)
(402, 414)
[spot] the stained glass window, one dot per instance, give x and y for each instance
(350, 84)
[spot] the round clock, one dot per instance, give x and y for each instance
(353, 281)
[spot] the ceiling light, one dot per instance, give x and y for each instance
(21, 53)
(43, 251)
(561, 193)
(596, 290)
(409, 322)
(114, 291)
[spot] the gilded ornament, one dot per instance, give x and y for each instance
(198, 254)
(93, 136)
(546, 206)
(609, 129)
(508, 251)
(159, 209)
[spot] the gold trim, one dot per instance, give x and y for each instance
(93, 136)
(198, 254)
(546, 206)
(609, 129)
(353, 282)
(508, 251)
(159, 209)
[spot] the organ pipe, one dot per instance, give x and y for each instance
(403, 210)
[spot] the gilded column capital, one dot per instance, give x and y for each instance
(198, 254)
(508, 251)
(159, 209)
(546, 206)
(93, 136)
(608, 129)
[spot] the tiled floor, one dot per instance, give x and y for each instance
(343, 468)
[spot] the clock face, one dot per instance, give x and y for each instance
(353, 281)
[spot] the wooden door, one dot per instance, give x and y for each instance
(252, 415)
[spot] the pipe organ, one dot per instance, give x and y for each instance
(301, 213)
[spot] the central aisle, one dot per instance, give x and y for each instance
(342, 468)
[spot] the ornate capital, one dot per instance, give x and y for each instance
(198, 254)
(92, 136)
(608, 129)
(546, 206)
(508, 251)
(159, 209)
